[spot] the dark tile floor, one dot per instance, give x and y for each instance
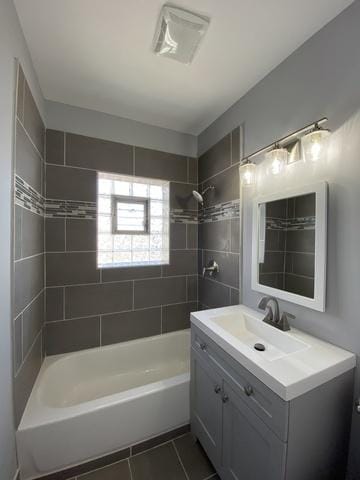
(179, 459)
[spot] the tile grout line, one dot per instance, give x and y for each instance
(180, 461)
(119, 311)
(129, 465)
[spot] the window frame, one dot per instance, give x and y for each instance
(115, 200)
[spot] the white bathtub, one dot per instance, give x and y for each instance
(91, 403)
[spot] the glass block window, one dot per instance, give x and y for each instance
(132, 221)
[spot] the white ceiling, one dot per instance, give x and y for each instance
(97, 54)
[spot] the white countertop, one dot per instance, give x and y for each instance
(289, 376)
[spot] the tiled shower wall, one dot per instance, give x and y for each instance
(28, 273)
(219, 222)
(86, 306)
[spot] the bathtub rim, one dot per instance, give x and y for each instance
(37, 414)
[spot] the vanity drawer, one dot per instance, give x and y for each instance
(272, 409)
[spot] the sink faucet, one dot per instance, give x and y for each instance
(272, 317)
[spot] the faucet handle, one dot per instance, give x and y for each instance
(284, 321)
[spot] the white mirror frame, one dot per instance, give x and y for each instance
(318, 302)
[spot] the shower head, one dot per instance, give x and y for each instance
(199, 197)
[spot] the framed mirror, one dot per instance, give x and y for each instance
(289, 245)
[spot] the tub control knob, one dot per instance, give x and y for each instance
(217, 389)
(357, 406)
(225, 398)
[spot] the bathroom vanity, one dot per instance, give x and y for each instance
(280, 413)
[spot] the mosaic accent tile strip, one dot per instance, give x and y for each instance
(27, 197)
(183, 216)
(70, 209)
(300, 223)
(221, 211)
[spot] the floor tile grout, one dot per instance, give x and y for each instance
(179, 458)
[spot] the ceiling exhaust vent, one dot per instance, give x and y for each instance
(179, 33)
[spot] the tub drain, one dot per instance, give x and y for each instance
(259, 346)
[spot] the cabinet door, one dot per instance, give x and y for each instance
(251, 450)
(206, 406)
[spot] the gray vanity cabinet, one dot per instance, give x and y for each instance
(250, 450)
(207, 406)
(250, 433)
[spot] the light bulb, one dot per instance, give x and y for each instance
(247, 173)
(313, 144)
(278, 158)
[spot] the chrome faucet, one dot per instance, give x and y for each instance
(272, 316)
(212, 268)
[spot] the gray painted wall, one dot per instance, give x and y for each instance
(109, 127)
(12, 45)
(321, 78)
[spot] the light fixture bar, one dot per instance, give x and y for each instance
(285, 139)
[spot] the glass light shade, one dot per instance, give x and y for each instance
(278, 158)
(247, 173)
(313, 144)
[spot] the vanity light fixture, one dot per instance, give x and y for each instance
(313, 143)
(247, 172)
(278, 157)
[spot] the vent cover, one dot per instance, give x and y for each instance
(179, 33)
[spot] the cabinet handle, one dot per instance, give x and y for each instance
(249, 390)
(225, 398)
(203, 347)
(217, 389)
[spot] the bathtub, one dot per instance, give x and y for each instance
(91, 403)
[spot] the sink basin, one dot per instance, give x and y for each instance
(251, 331)
(291, 364)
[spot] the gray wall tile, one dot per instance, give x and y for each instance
(215, 235)
(68, 183)
(87, 300)
(155, 164)
(54, 307)
(192, 288)
(80, 235)
(28, 164)
(28, 281)
(300, 241)
(71, 268)
(226, 187)
(234, 296)
(213, 294)
(217, 158)
(177, 317)
(160, 291)
(25, 378)
(177, 235)
(33, 319)
(299, 285)
(33, 122)
(99, 154)
(182, 262)
(191, 235)
(131, 273)
(55, 147)
(121, 327)
(55, 234)
(193, 170)
(181, 196)
(32, 233)
(71, 335)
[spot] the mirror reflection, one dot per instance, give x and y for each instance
(286, 244)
